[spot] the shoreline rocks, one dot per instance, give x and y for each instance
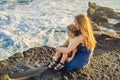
(102, 17)
(104, 63)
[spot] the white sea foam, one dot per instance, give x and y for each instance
(30, 23)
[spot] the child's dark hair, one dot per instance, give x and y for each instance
(73, 29)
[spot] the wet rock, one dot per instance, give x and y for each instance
(5, 77)
(90, 11)
(99, 19)
(3, 64)
(101, 14)
(95, 27)
(16, 57)
(92, 5)
(117, 25)
(105, 11)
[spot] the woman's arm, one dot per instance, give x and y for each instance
(78, 40)
(72, 56)
(73, 53)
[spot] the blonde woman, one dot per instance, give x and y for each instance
(85, 44)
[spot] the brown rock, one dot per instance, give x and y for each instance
(117, 25)
(3, 64)
(105, 11)
(90, 11)
(100, 14)
(5, 77)
(17, 55)
(99, 19)
(92, 5)
(95, 27)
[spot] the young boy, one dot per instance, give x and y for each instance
(72, 33)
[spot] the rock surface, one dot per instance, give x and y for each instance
(103, 17)
(31, 64)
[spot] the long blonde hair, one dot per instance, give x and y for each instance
(85, 28)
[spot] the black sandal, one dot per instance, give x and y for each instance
(52, 64)
(59, 66)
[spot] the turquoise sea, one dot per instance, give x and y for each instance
(32, 23)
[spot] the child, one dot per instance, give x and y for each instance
(72, 33)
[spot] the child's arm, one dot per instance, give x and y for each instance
(72, 56)
(65, 44)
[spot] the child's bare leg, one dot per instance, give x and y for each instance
(61, 64)
(55, 59)
(57, 56)
(64, 58)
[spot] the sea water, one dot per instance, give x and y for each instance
(33, 23)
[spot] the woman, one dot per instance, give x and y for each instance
(85, 43)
